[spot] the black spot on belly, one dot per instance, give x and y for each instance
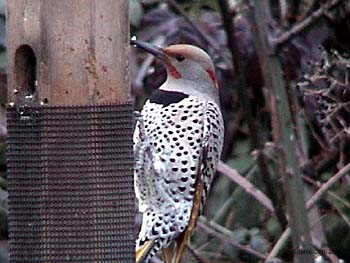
(167, 97)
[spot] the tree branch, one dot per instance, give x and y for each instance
(279, 245)
(224, 235)
(330, 193)
(326, 186)
(226, 207)
(234, 176)
(301, 26)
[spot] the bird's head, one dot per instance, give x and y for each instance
(184, 64)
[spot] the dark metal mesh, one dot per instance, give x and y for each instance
(71, 196)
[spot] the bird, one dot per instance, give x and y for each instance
(178, 140)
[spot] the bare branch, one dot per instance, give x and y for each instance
(342, 215)
(301, 26)
(330, 193)
(281, 242)
(326, 186)
(226, 207)
(234, 176)
(217, 231)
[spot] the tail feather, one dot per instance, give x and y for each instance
(168, 253)
(147, 251)
(144, 250)
(174, 253)
(184, 238)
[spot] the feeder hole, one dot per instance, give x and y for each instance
(25, 70)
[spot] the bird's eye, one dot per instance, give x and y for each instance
(180, 58)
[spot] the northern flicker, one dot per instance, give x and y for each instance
(177, 143)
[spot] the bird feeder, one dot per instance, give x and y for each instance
(70, 156)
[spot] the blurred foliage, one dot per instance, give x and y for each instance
(326, 96)
(246, 221)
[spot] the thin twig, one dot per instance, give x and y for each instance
(233, 175)
(318, 137)
(339, 199)
(217, 231)
(279, 245)
(208, 39)
(321, 164)
(301, 26)
(326, 186)
(329, 192)
(233, 197)
(342, 215)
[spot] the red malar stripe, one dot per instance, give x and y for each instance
(173, 71)
(213, 77)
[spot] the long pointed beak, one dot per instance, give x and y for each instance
(154, 50)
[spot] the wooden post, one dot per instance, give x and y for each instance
(80, 48)
(70, 156)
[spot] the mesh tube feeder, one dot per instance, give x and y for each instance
(70, 123)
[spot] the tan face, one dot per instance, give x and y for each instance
(184, 62)
(189, 62)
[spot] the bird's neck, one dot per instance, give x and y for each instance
(196, 88)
